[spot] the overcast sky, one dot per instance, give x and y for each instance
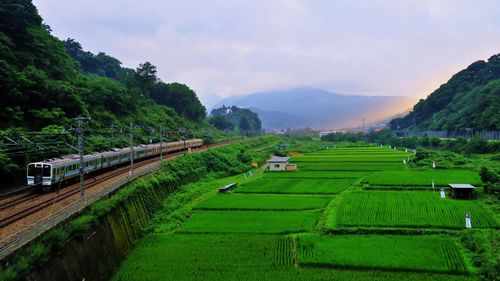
(224, 48)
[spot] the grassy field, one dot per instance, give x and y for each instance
(409, 209)
(392, 252)
(296, 185)
(318, 174)
(424, 178)
(273, 226)
(398, 158)
(350, 166)
(250, 222)
(263, 202)
(239, 257)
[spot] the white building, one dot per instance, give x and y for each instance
(278, 163)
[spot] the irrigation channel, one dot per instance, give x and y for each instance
(25, 215)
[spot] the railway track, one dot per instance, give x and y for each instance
(15, 200)
(68, 191)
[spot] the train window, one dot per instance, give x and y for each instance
(31, 170)
(46, 170)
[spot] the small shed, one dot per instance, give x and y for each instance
(278, 163)
(461, 190)
(228, 187)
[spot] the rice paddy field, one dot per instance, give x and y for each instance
(296, 185)
(386, 251)
(321, 223)
(423, 178)
(410, 209)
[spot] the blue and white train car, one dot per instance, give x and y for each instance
(54, 171)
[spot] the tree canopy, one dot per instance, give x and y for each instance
(227, 118)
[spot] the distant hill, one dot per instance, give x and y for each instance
(310, 107)
(470, 99)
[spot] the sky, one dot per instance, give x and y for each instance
(223, 48)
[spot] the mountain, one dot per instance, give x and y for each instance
(310, 107)
(470, 99)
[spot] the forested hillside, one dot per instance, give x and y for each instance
(45, 83)
(470, 99)
(235, 118)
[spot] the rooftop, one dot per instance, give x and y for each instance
(461, 185)
(276, 159)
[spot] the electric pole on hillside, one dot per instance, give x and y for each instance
(80, 153)
(131, 172)
(161, 145)
(112, 135)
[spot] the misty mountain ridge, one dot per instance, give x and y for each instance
(312, 107)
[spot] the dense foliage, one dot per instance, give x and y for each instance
(469, 99)
(229, 118)
(46, 83)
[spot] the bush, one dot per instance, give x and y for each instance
(488, 176)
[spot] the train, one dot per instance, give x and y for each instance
(46, 175)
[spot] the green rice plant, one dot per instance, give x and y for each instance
(390, 252)
(409, 209)
(296, 185)
(349, 166)
(351, 158)
(284, 254)
(263, 202)
(250, 222)
(318, 174)
(221, 257)
(423, 178)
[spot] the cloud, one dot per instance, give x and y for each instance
(225, 48)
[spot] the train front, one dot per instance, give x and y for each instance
(39, 174)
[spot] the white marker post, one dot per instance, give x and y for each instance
(434, 165)
(467, 220)
(443, 194)
(334, 146)
(404, 161)
(433, 185)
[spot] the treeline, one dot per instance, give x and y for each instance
(385, 137)
(46, 83)
(469, 99)
(235, 118)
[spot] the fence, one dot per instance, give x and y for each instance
(14, 241)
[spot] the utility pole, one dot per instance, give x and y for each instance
(131, 149)
(364, 129)
(80, 152)
(112, 135)
(161, 145)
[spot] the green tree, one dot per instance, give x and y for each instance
(146, 75)
(244, 124)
